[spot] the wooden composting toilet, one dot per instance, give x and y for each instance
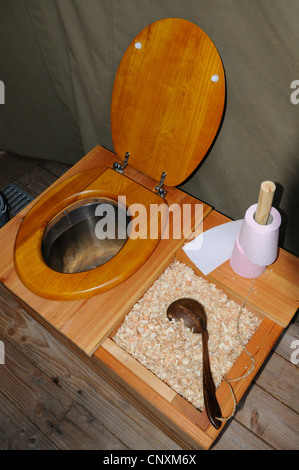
(167, 106)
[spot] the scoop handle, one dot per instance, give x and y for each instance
(211, 404)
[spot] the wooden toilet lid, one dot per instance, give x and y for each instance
(168, 99)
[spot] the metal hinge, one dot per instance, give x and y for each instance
(120, 167)
(160, 190)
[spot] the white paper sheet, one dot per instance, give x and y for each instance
(213, 247)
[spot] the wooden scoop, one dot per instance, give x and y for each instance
(195, 318)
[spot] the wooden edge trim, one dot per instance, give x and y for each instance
(198, 417)
(138, 369)
(259, 347)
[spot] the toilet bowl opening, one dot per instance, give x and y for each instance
(85, 235)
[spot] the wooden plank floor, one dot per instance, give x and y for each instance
(50, 399)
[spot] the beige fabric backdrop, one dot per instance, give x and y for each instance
(58, 60)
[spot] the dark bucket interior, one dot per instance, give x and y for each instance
(85, 236)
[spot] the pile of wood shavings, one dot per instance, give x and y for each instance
(169, 349)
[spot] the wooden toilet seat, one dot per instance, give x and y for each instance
(167, 104)
(30, 265)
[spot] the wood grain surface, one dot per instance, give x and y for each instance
(168, 99)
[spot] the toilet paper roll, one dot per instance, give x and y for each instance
(260, 242)
(242, 266)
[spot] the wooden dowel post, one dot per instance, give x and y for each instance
(264, 204)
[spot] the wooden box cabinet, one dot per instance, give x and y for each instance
(86, 326)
